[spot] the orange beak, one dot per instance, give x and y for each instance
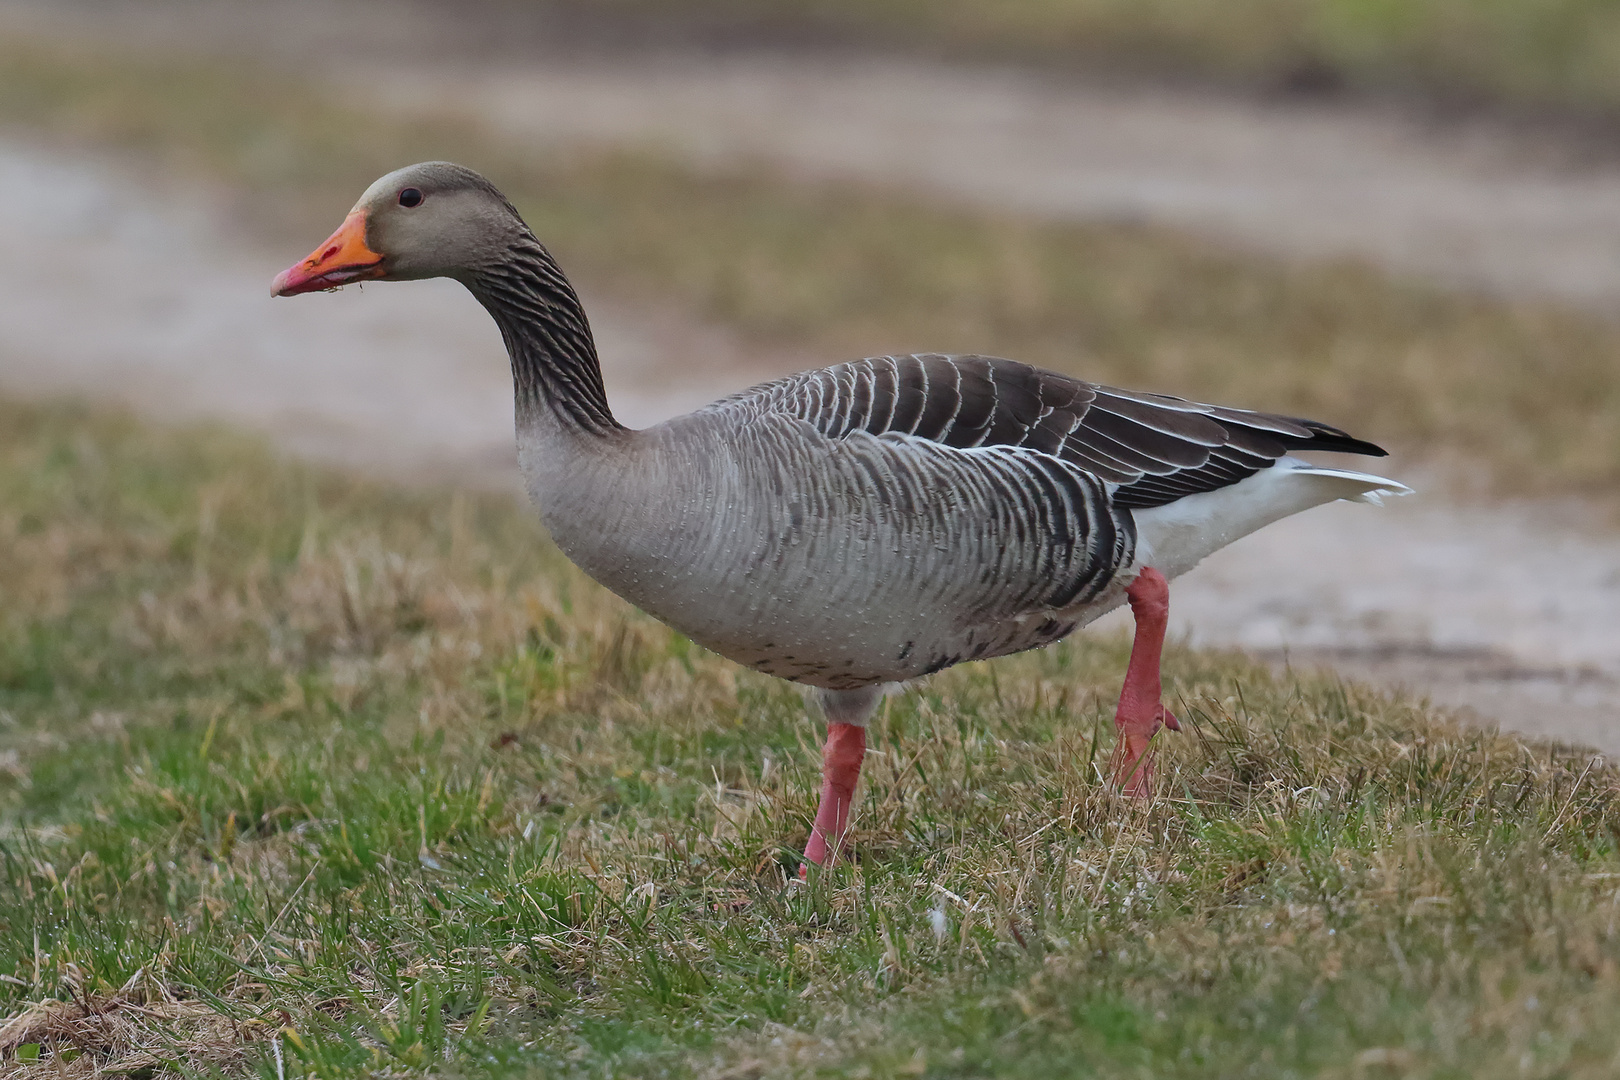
(342, 259)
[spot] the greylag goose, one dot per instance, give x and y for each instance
(864, 524)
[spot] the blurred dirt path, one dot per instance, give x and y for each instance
(1508, 609)
(1477, 205)
(1469, 208)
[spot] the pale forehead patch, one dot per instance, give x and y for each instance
(395, 179)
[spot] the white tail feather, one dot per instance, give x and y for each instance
(1179, 535)
(1352, 486)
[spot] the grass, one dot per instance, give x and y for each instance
(306, 776)
(1523, 54)
(1520, 396)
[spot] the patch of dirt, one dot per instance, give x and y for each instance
(1461, 206)
(1507, 610)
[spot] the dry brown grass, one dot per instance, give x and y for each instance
(137, 1031)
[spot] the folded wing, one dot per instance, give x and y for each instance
(1149, 449)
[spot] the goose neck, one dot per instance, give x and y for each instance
(556, 376)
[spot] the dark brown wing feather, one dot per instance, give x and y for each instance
(1155, 448)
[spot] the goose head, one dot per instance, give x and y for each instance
(435, 219)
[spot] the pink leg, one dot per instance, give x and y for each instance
(840, 769)
(1141, 712)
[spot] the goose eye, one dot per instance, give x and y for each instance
(410, 197)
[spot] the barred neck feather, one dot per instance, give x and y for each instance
(555, 370)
